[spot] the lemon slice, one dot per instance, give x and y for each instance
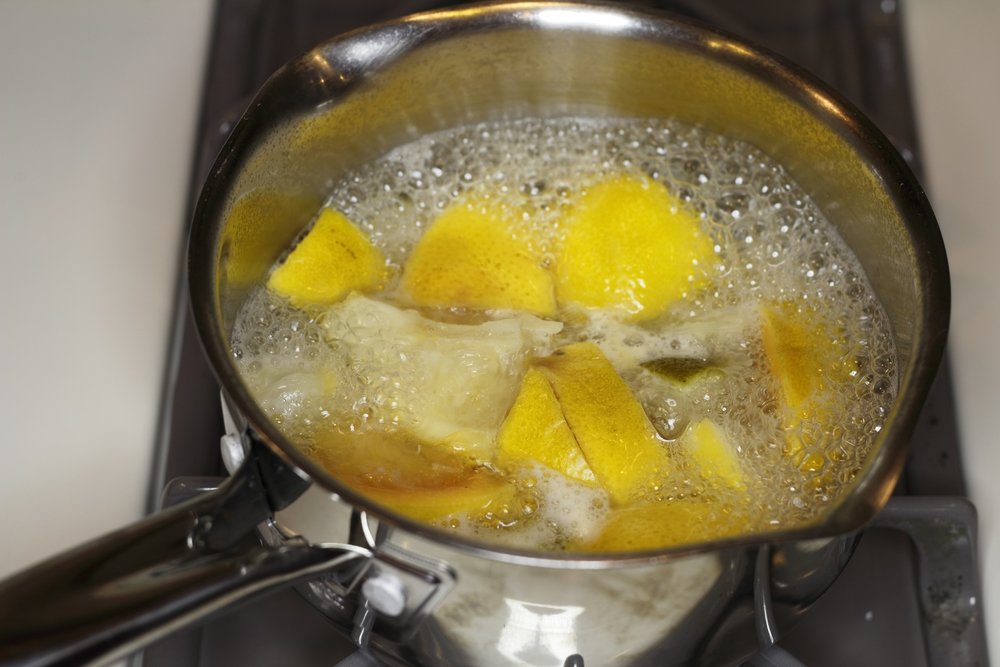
(473, 256)
(630, 246)
(614, 434)
(332, 260)
(535, 430)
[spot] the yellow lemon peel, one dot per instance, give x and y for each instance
(806, 363)
(632, 247)
(471, 257)
(333, 259)
(260, 220)
(707, 445)
(614, 434)
(536, 430)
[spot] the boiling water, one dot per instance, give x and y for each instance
(771, 243)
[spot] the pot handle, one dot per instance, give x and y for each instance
(113, 595)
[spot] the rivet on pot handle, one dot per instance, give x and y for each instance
(113, 595)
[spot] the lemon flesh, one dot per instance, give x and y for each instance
(449, 384)
(707, 445)
(614, 434)
(332, 260)
(536, 430)
(473, 257)
(632, 248)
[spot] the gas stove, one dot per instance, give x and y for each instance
(876, 613)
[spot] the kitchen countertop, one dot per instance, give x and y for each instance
(97, 123)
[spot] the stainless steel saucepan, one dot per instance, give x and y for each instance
(429, 597)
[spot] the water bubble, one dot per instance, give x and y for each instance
(669, 419)
(817, 260)
(749, 231)
(736, 204)
(689, 170)
(776, 250)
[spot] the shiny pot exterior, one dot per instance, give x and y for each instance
(358, 96)
(460, 608)
(436, 605)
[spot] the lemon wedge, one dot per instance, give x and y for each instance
(707, 445)
(473, 256)
(536, 430)
(332, 260)
(793, 355)
(447, 383)
(614, 434)
(632, 247)
(807, 364)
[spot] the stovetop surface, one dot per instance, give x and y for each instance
(869, 617)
